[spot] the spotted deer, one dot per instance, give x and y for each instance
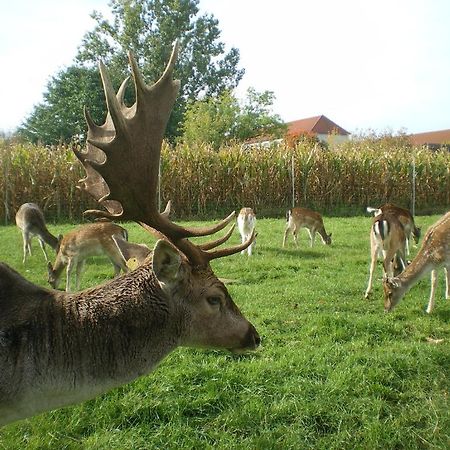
(404, 216)
(59, 348)
(246, 224)
(135, 254)
(30, 219)
(92, 239)
(297, 218)
(433, 255)
(388, 241)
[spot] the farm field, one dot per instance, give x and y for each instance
(333, 371)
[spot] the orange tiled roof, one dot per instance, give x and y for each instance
(431, 137)
(316, 125)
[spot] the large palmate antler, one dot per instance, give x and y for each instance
(122, 161)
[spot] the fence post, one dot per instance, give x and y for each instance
(293, 179)
(413, 187)
(6, 169)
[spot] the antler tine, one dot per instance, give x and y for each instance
(213, 244)
(166, 212)
(230, 250)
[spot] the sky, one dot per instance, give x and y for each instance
(381, 65)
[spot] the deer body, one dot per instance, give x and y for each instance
(246, 224)
(94, 239)
(298, 218)
(388, 240)
(432, 255)
(30, 219)
(57, 348)
(404, 216)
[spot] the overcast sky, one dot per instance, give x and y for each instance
(381, 65)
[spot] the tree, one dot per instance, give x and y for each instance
(257, 118)
(148, 28)
(221, 119)
(60, 116)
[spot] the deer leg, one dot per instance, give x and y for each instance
(388, 263)
(78, 272)
(243, 239)
(447, 282)
(286, 231)
(295, 234)
(26, 238)
(250, 248)
(373, 262)
(432, 291)
(312, 236)
(42, 244)
(69, 269)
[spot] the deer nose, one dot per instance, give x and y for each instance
(253, 338)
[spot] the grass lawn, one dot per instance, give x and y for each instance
(333, 372)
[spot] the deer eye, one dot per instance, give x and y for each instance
(214, 301)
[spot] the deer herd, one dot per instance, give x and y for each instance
(62, 347)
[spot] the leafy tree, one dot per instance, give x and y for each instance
(213, 120)
(257, 118)
(148, 28)
(220, 120)
(60, 116)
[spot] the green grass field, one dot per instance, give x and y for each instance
(333, 372)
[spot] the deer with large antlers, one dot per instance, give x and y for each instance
(58, 348)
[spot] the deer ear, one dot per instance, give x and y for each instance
(166, 262)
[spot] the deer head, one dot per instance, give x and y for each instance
(122, 165)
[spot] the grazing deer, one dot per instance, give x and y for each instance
(405, 218)
(30, 220)
(246, 224)
(297, 218)
(92, 239)
(432, 255)
(133, 254)
(58, 348)
(387, 240)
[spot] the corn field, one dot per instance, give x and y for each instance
(204, 183)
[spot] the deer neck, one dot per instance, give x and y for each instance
(419, 267)
(322, 232)
(49, 238)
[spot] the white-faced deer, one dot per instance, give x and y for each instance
(388, 241)
(432, 255)
(246, 224)
(92, 239)
(30, 220)
(404, 216)
(58, 348)
(297, 218)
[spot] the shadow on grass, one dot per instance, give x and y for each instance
(442, 314)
